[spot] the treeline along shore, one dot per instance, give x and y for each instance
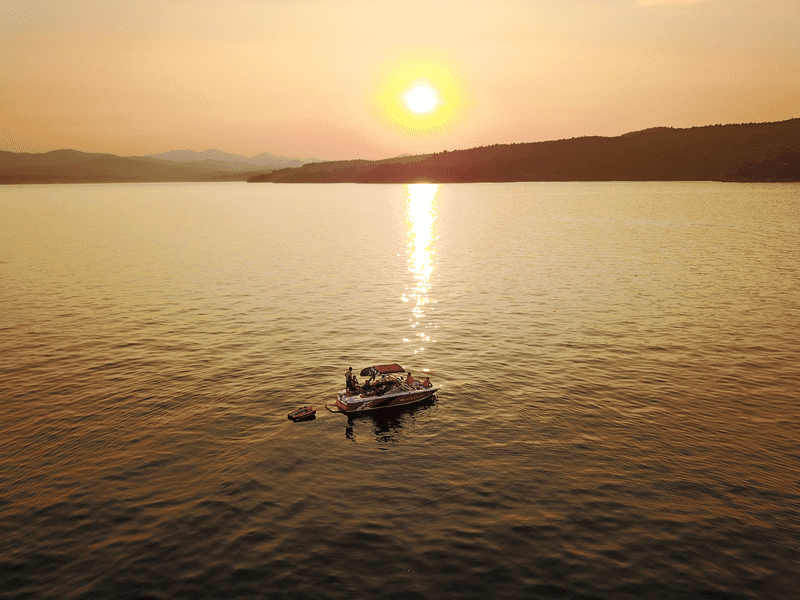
(745, 152)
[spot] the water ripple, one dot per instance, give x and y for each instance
(618, 416)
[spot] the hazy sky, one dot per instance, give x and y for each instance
(318, 78)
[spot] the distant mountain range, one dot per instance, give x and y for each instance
(72, 166)
(233, 162)
(746, 152)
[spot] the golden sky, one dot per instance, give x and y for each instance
(325, 79)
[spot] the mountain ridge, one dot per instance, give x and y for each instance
(222, 159)
(74, 166)
(736, 152)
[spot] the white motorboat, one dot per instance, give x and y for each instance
(384, 388)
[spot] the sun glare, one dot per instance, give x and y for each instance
(421, 99)
(420, 96)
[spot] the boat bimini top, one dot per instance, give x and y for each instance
(382, 370)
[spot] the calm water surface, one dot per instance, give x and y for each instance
(619, 418)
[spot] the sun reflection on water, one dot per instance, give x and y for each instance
(421, 215)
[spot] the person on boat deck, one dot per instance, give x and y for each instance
(410, 380)
(350, 379)
(427, 382)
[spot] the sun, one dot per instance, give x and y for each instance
(421, 99)
(419, 96)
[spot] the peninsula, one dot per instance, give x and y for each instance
(746, 152)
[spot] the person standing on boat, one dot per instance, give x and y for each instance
(349, 377)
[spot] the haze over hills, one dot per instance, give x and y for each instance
(72, 166)
(233, 162)
(747, 152)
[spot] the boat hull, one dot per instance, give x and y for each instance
(357, 404)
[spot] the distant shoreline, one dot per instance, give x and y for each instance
(753, 152)
(762, 152)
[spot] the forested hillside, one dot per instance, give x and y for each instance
(749, 152)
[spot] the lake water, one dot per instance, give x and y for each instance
(619, 414)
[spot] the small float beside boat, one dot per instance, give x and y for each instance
(384, 388)
(303, 413)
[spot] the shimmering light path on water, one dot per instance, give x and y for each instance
(619, 416)
(421, 216)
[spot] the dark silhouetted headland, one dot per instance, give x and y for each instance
(748, 152)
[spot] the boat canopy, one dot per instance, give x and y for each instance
(382, 369)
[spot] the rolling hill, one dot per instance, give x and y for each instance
(71, 166)
(747, 152)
